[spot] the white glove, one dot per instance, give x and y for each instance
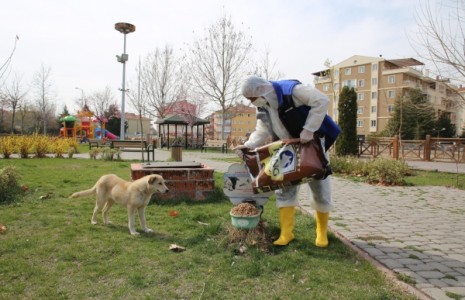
(306, 136)
(238, 150)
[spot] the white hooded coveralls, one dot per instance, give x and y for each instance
(302, 95)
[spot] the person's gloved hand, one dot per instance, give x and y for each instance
(239, 150)
(306, 136)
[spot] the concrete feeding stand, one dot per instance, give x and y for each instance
(184, 179)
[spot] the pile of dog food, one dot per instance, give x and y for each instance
(245, 209)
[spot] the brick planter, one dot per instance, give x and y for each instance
(184, 179)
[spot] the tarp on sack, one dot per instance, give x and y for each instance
(286, 163)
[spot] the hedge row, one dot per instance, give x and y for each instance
(37, 145)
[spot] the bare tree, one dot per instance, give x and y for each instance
(3, 104)
(23, 112)
(14, 95)
(267, 67)
(100, 101)
(161, 78)
(5, 68)
(330, 74)
(191, 109)
(217, 63)
(441, 36)
(137, 98)
(43, 92)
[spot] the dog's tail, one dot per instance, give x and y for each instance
(88, 192)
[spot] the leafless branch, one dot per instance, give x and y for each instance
(218, 61)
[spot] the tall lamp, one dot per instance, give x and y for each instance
(124, 28)
(83, 98)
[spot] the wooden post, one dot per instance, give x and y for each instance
(395, 150)
(427, 148)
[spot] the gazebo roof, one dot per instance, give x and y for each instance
(177, 119)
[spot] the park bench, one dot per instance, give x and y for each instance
(134, 146)
(215, 144)
(97, 143)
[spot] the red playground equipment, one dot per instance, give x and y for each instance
(85, 126)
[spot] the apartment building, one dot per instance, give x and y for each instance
(243, 121)
(378, 82)
(461, 113)
(135, 128)
(238, 122)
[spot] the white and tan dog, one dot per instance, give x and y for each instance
(135, 195)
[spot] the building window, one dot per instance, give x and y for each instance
(373, 123)
(347, 71)
(391, 94)
(349, 83)
(390, 108)
(442, 89)
(359, 123)
(361, 83)
(373, 109)
(391, 79)
(325, 87)
(374, 95)
(374, 67)
(360, 110)
(336, 73)
(361, 69)
(374, 81)
(336, 87)
(360, 96)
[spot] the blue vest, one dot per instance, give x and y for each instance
(296, 121)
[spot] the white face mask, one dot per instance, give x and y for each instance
(259, 102)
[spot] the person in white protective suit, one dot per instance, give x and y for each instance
(262, 95)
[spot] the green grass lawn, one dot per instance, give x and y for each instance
(50, 250)
(434, 178)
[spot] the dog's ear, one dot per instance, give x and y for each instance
(152, 179)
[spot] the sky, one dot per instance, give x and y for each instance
(76, 39)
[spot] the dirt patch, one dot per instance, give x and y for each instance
(242, 239)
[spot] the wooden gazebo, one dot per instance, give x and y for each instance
(178, 120)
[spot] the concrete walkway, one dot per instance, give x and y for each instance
(418, 232)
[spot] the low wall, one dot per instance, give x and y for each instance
(184, 179)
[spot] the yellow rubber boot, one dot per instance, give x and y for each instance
(321, 229)
(286, 221)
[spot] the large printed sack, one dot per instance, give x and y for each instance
(285, 163)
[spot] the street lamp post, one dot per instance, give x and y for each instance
(124, 28)
(439, 130)
(83, 97)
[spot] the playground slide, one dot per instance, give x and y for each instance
(107, 133)
(110, 135)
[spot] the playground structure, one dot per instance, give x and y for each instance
(85, 126)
